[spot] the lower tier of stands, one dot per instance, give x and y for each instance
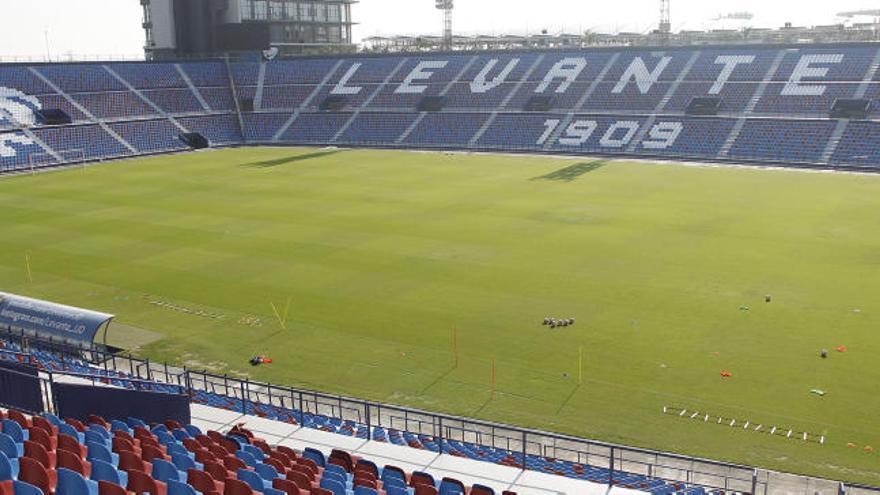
(820, 142)
(289, 414)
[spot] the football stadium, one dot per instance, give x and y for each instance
(446, 265)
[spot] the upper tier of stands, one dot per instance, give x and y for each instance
(775, 104)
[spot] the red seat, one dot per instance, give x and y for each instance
(150, 452)
(205, 440)
(479, 490)
(300, 479)
(110, 488)
(216, 436)
(71, 444)
(8, 488)
(281, 458)
(139, 482)
(76, 424)
(310, 465)
(286, 486)
(122, 444)
(191, 445)
(129, 461)
(39, 452)
(425, 489)
(45, 424)
(20, 418)
(237, 487)
(74, 462)
(203, 482)
(41, 436)
(218, 471)
(218, 450)
(205, 455)
(31, 471)
(233, 463)
(366, 481)
(98, 420)
(289, 452)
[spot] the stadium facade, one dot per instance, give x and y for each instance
(208, 28)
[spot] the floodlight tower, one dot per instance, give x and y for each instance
(665, 26)
(446, 7)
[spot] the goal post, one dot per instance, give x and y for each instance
(43, 159)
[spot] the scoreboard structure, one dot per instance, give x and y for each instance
(208, 28)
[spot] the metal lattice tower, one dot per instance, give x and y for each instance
(446, 7)
(665, 27)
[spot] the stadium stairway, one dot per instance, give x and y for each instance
(280, 423)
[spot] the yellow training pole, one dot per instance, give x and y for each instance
(493, 376)
(455, 346)
(275, 310)
(27, 264)
(581, 365)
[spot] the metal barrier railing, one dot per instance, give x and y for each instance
(518, 442)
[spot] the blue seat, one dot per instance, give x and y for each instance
(14, 430)
(104, 471)
(100, 430)
(70, 430)
(8, 467)
(333, 485)
(135, 422)
(448, 488)
(116, 425)
(72, 483)
(254, 451)
(363, 490)
(193, 430)
(165, 438)
(246, 457)
(180, 435)
(315, 455)
(273, 491)
(101, 452)
(55, 420)
(165, 471)
(93, 436)
(22, 488)
(178, 488)
(253, 480)
(184, 462)
(266, 471)
(10, 447)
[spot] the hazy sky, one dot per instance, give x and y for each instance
(112, 27)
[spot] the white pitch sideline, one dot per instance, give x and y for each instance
(468, 471)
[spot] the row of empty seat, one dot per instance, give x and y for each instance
(45, 455)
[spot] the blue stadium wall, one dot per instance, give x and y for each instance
(776, 104)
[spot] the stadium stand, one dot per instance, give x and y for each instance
(43, 454)
(774, 104)
(168, 452)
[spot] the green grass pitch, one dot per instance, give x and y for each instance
(382, 254)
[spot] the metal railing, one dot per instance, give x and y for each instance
(618, 461)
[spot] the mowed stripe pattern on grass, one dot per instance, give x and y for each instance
(382, 254)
